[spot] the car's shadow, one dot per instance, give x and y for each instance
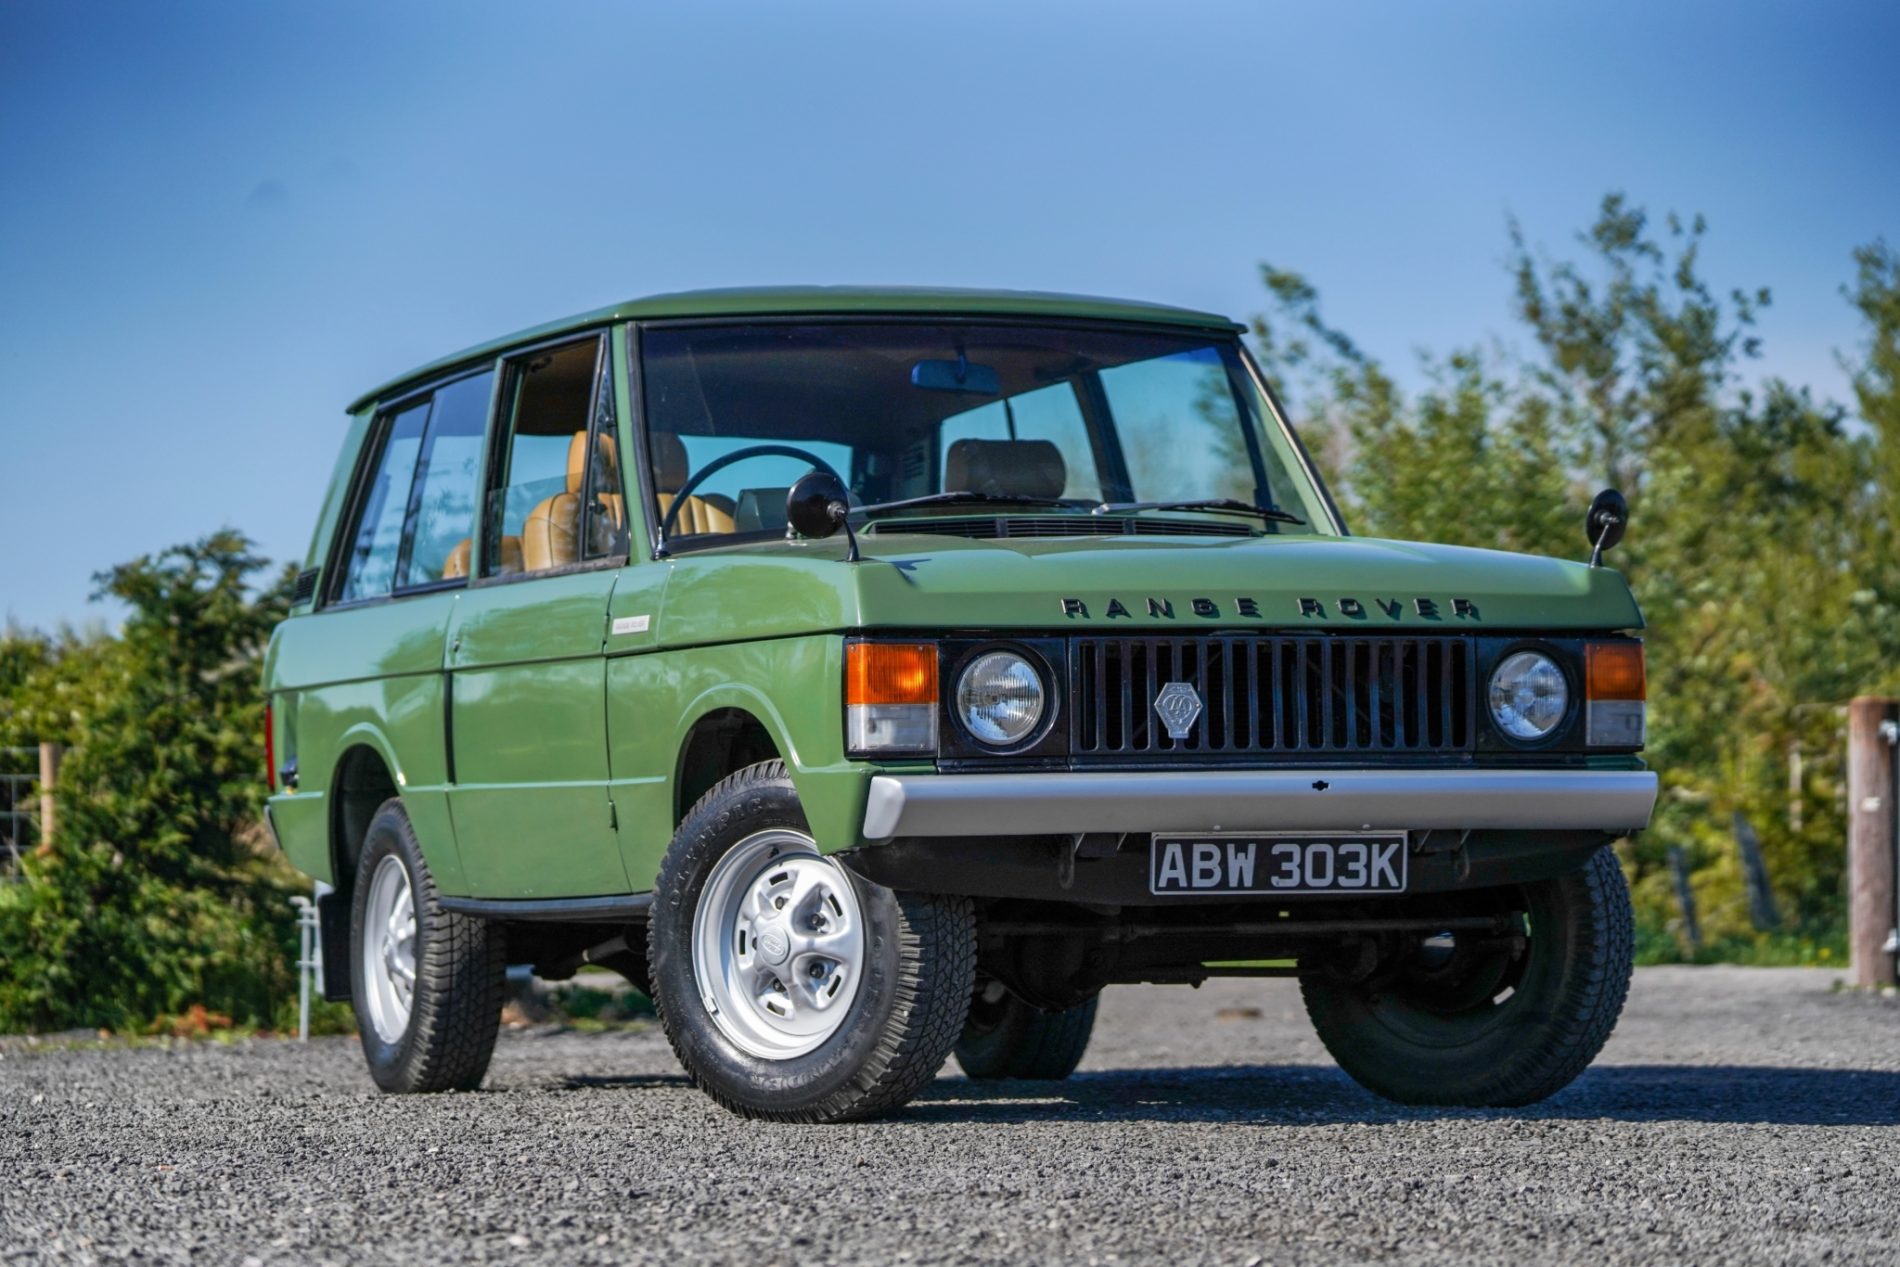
(625, 1081)
(1319, 1094)
(1309, 1094)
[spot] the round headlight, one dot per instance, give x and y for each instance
(1529, 696)
(999, 698)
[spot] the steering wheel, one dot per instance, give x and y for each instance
(721, 463)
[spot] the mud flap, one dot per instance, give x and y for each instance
(333, 936)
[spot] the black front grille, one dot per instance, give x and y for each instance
(990, 527)
(1272, 695)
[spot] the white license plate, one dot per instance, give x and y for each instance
(1277, 862)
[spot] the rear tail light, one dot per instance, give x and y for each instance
(890, 698)
(1615, 688)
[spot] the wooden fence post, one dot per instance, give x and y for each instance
(1872, 725)
(1685, 898)
(49, 779)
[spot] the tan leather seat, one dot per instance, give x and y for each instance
(551, 535)
(456, 564)
(1005, 468)
(699, 514)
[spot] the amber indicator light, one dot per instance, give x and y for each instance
(1614, 671)
(890, 673)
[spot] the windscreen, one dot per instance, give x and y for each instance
(1079, 415)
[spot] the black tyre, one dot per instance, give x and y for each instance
(1007, 1038)
(427, 984)
(790, 988)
(1490, 1024)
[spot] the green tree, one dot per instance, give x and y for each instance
(1763, 522)
(1876, 296)
(158, 891)
(1636, 345)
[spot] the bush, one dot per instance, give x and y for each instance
(158, 890)
(1820, 945)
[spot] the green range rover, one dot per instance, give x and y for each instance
(870, 675)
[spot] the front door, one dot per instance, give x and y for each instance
(527, 707)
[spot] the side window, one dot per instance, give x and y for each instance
(370, 571)
(556, 500)
(448, 475)
(1050, 415)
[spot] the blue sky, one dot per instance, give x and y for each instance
(220, 222)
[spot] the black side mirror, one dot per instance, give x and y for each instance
(818, 505)
(1603, 525)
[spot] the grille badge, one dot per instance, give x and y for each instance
(1178, 705)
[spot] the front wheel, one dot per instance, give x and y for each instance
(1491, 1022)
(1008, 1038)
(790, 988)
(427, 983)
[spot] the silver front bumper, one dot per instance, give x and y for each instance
(1257, 800)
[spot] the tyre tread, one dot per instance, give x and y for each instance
(461, 985)
(936, 957)
(1033, 1045)
(1561, 1046)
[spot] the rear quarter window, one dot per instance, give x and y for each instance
(417, 506)
(370, 570)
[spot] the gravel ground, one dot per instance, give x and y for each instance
(1738, 1116)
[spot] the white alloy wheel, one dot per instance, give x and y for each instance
(778, 945)
(389, 949)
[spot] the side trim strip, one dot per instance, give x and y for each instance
(613, 909)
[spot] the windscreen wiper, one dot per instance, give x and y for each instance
(964, 497)
(1225, 505)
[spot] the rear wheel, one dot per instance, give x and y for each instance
(427, 983)
(1008, 1038)
(791, 988)
(1493, 1022)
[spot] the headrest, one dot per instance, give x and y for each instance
(669, 460)
(1005, 468)
(607, 477)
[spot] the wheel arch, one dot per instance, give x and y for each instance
(365, 776)
(784, 689)
(721, 740)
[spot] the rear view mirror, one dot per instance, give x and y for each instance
(956, 376)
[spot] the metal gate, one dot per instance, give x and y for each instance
(19, 807)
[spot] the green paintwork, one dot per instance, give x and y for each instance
(789, 684)
(371, 677)
(935, 582)
(530, 685)
(568, 736)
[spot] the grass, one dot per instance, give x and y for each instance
(589, 1008)
(1821, 948)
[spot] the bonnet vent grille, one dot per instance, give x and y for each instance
(991, 527)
